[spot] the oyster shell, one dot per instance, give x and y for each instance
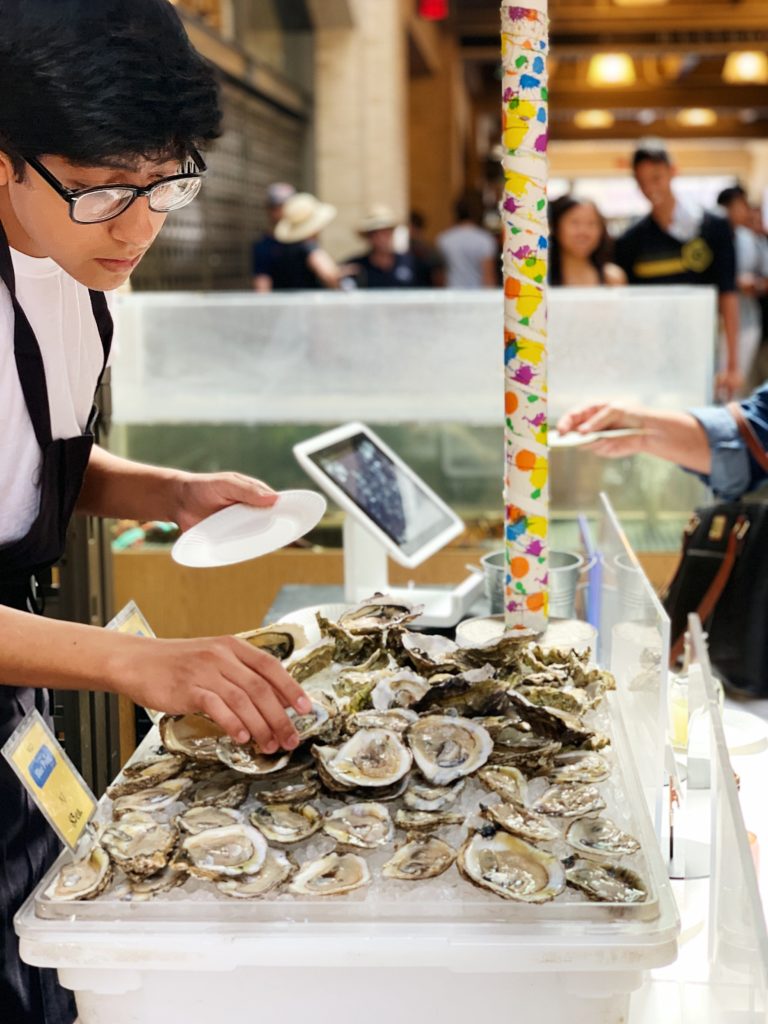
(468, 694)
(315, 721)
(198, 819)
(82, 879)
(370, 758)
(519, 821)
(428, 653)
(365, 825)
(607, 883)
(224, 789)
(447, 748)
(599, 837)
(394, 719)
(506, 780)
(500, 651)
(575, 702)
(332, 875)
(279, 641)
(194, 736)
(310, 660)
(569, 800)
(426, 821)
(146, 773)
(350, 648)
(142, 889)
(139, 844)
(276, 869)
(248, 759)
(282, 823)
(422, 796)
(511, 868)
(580, 766)
(420, 858)
(287, 791)
(217, 853)
(378, 613)
(383, 794)
(153, 800)
(398, 690)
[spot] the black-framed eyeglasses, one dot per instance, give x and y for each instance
(105, 202)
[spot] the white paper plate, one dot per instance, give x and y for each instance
(745, 733)
(240, 532)
(575, 440)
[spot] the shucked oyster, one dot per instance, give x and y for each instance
(398, 689)
(138, 844)
(217, 853)
(279, 790)
(599, 837)
(419, 859)
(279, 641)
(580, 766)
(607, 883)
(142, 889)
(519, 821)
(447, 748)
(511, 868)
(82, 879)
(194, 736)
(153, 800)
(365, 825)
(332, 875)
(426, 821)
(275, 870)
(197, 819)
(370, 758)
(422, 796)
(248, 759)
(308, 661)
(506, 780)
(144, 774)
(394, 719)
(281, 823)
(314, 721)
(378, 613)
(224, 789)
(569, 800)
(350, 648)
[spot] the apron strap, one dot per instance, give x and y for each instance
(104, 324)
(29, 360)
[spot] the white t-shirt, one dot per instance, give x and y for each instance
(465, 248)
(59, 311)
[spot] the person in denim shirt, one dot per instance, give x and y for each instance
(707, 441)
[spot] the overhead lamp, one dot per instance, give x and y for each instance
(611, 69)
(639, 3)
(696, 117)
(594, 119)
(746, 67)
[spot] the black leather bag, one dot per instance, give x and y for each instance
(723, 576)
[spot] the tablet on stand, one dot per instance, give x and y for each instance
(389, 511)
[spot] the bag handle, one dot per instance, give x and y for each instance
(747, 431)
(714, 591)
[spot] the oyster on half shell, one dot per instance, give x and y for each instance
(198, 819)
(307, 662)
(394, 719)
(447, 748)
(365, 825)
(82, 879)
(225, 788)
(195, 736)
(569, 800)
(139, 844)
(420, 858)
(423, 796)
(599, 838)
(144, 774)
(426, 821)
(583, 766)
(217, 853)
(505, 780)
(605, 883)
(248, 759)
(283, 823)
(370, 758)
(279, 641)
(153, 800)
(378, 613)
(511, 868)
(276, 869)
(519, 821)
(332, 875)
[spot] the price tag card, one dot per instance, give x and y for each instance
(130, 620)
(50, 778)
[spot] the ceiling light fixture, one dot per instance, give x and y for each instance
(611, 69)
(696, 117)
(746, 67)
(588, 119)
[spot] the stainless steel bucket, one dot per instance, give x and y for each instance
(565, 568)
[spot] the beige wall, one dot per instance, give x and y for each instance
(360, 118)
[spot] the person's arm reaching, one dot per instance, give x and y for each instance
(730, 380)
(242, 688)
(324, 267)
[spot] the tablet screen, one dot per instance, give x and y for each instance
(392, 499)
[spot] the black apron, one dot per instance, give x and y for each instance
(28, 845)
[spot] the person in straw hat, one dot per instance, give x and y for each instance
(300, 263)
(382, 266)
(265, 249)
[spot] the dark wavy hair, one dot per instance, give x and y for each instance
(602, 254)
(102, 82)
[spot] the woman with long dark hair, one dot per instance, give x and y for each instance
(580, 246)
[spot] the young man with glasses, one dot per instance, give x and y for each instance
(104, 106)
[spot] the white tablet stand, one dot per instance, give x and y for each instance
(366, 572)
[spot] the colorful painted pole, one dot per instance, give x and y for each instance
(524, 47)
